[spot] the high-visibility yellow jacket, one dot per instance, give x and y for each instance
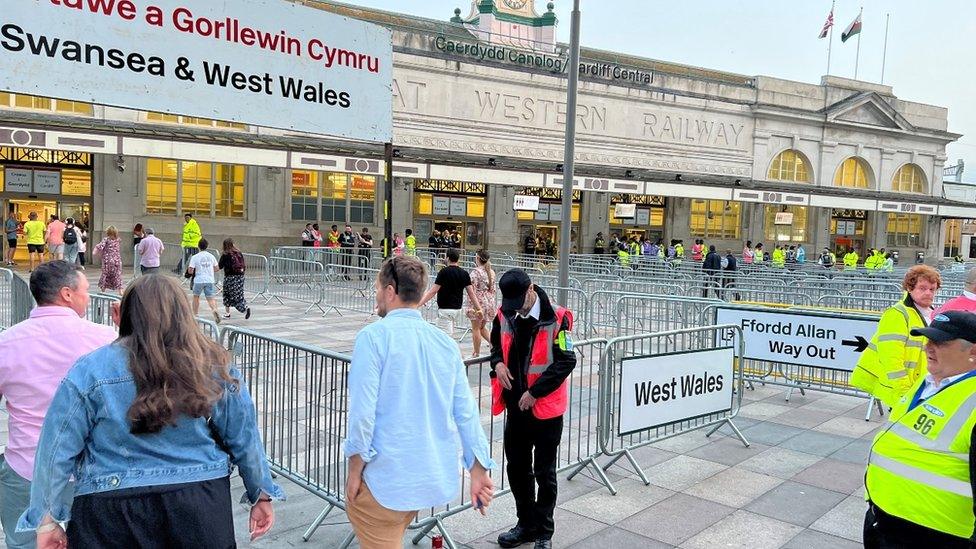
(411, 244)
(918, 468)
(624, 258)
(875, 262)
(850, 261)
(679, 251)
(633, 248)
(191, 234)
(895, 359)
(779, 258)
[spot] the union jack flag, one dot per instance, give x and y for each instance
(829, 23)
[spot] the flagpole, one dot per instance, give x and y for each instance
(857, 56)
(830, 39)
(884, 54)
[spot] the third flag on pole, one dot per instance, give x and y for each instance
(829, 23)
(852, 29)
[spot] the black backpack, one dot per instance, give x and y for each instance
(70, 236)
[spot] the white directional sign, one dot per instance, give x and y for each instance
(662, 389)
(526, 203)
(831, 341)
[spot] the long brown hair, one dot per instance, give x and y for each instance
(485, 259)
(177, 369)
(229, 246)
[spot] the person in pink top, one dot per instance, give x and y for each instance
(965, 302)
(54, 237)
(35, 355)
(149, 250)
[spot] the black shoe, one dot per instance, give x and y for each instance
(543, 544)
(515, 537)
(247, 314)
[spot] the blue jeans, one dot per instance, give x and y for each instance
(71, 253)
(14, 500)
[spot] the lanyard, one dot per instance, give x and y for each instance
(918, 394)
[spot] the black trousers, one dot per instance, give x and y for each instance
(884, 531)
(185, 516)
(530, 447)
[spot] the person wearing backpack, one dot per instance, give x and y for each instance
(71, 240)
(232, 262)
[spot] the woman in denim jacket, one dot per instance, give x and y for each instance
(140, 424)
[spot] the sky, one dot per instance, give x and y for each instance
(930, 54)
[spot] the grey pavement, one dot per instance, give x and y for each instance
(799, 485)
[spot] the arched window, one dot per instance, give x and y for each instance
(909, 179)
(790, 165)
(853, 173)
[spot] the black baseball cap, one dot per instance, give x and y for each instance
(948, 326)
(514, 285)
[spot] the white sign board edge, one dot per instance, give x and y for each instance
(820, 345)
(672, 369)
(345, 90)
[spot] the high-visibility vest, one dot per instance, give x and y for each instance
(191, 234)
(634, 248)
(850, 260)
(624, 258)
(895, 359)
(333, 240)
(555, 403)
(679, 251)
(918, 468)
(779, 258)
(411, 245)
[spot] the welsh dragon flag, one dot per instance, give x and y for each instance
(852, 29)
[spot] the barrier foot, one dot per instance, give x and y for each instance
(347, 541)
(423, 532)
(871, 404)
(332, 308)
(315, 306)
(590, 461)
(735, 429)
(317, 522)
(637, 468)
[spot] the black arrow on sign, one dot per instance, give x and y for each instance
(859, 344)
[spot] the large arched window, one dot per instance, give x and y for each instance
(790, 165)
(909, 179)
(854, 173)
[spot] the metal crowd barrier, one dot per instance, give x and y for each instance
(100, 309)
(300, 398)
(296, 280)
(652, 314)
(22, 302)
(7, 303)
(256, 273)
(349, 289)
(617, 445)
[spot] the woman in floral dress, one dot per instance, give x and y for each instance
(483, 282)
(110, 251)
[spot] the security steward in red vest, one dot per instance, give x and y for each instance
(532, 357)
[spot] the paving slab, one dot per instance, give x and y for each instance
(745, 530)
(611, 538)
(811, 539)
(771, 433)
(831, 474)
(682, 472)
(780, 462)
(728, 451)
(632, 497)
(734, 487)
(676, 519)
(846, 520)
(795, 503)
(816, 443)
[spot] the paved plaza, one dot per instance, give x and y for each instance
(799, 484)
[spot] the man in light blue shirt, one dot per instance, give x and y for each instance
(409, 404)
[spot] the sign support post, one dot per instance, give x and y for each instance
(569, 154)
(388, 201)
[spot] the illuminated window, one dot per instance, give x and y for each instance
(229, 190)
(200, 188)
(334, 193)
(852, 173)
(792, 226)
(953, 237)
(193, 121)
(904, 229)
(24, 101)
(423, 204)
(304, 196)
(161, 182)
(790, 165)
(909, 179)
(476, 206)
(196, 186)
(362, 199)
(715, 219)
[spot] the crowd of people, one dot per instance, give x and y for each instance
(54, 240)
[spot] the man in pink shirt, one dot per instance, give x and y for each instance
(55, 238)
(965, 302)
(149, 250)
(35, 355)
